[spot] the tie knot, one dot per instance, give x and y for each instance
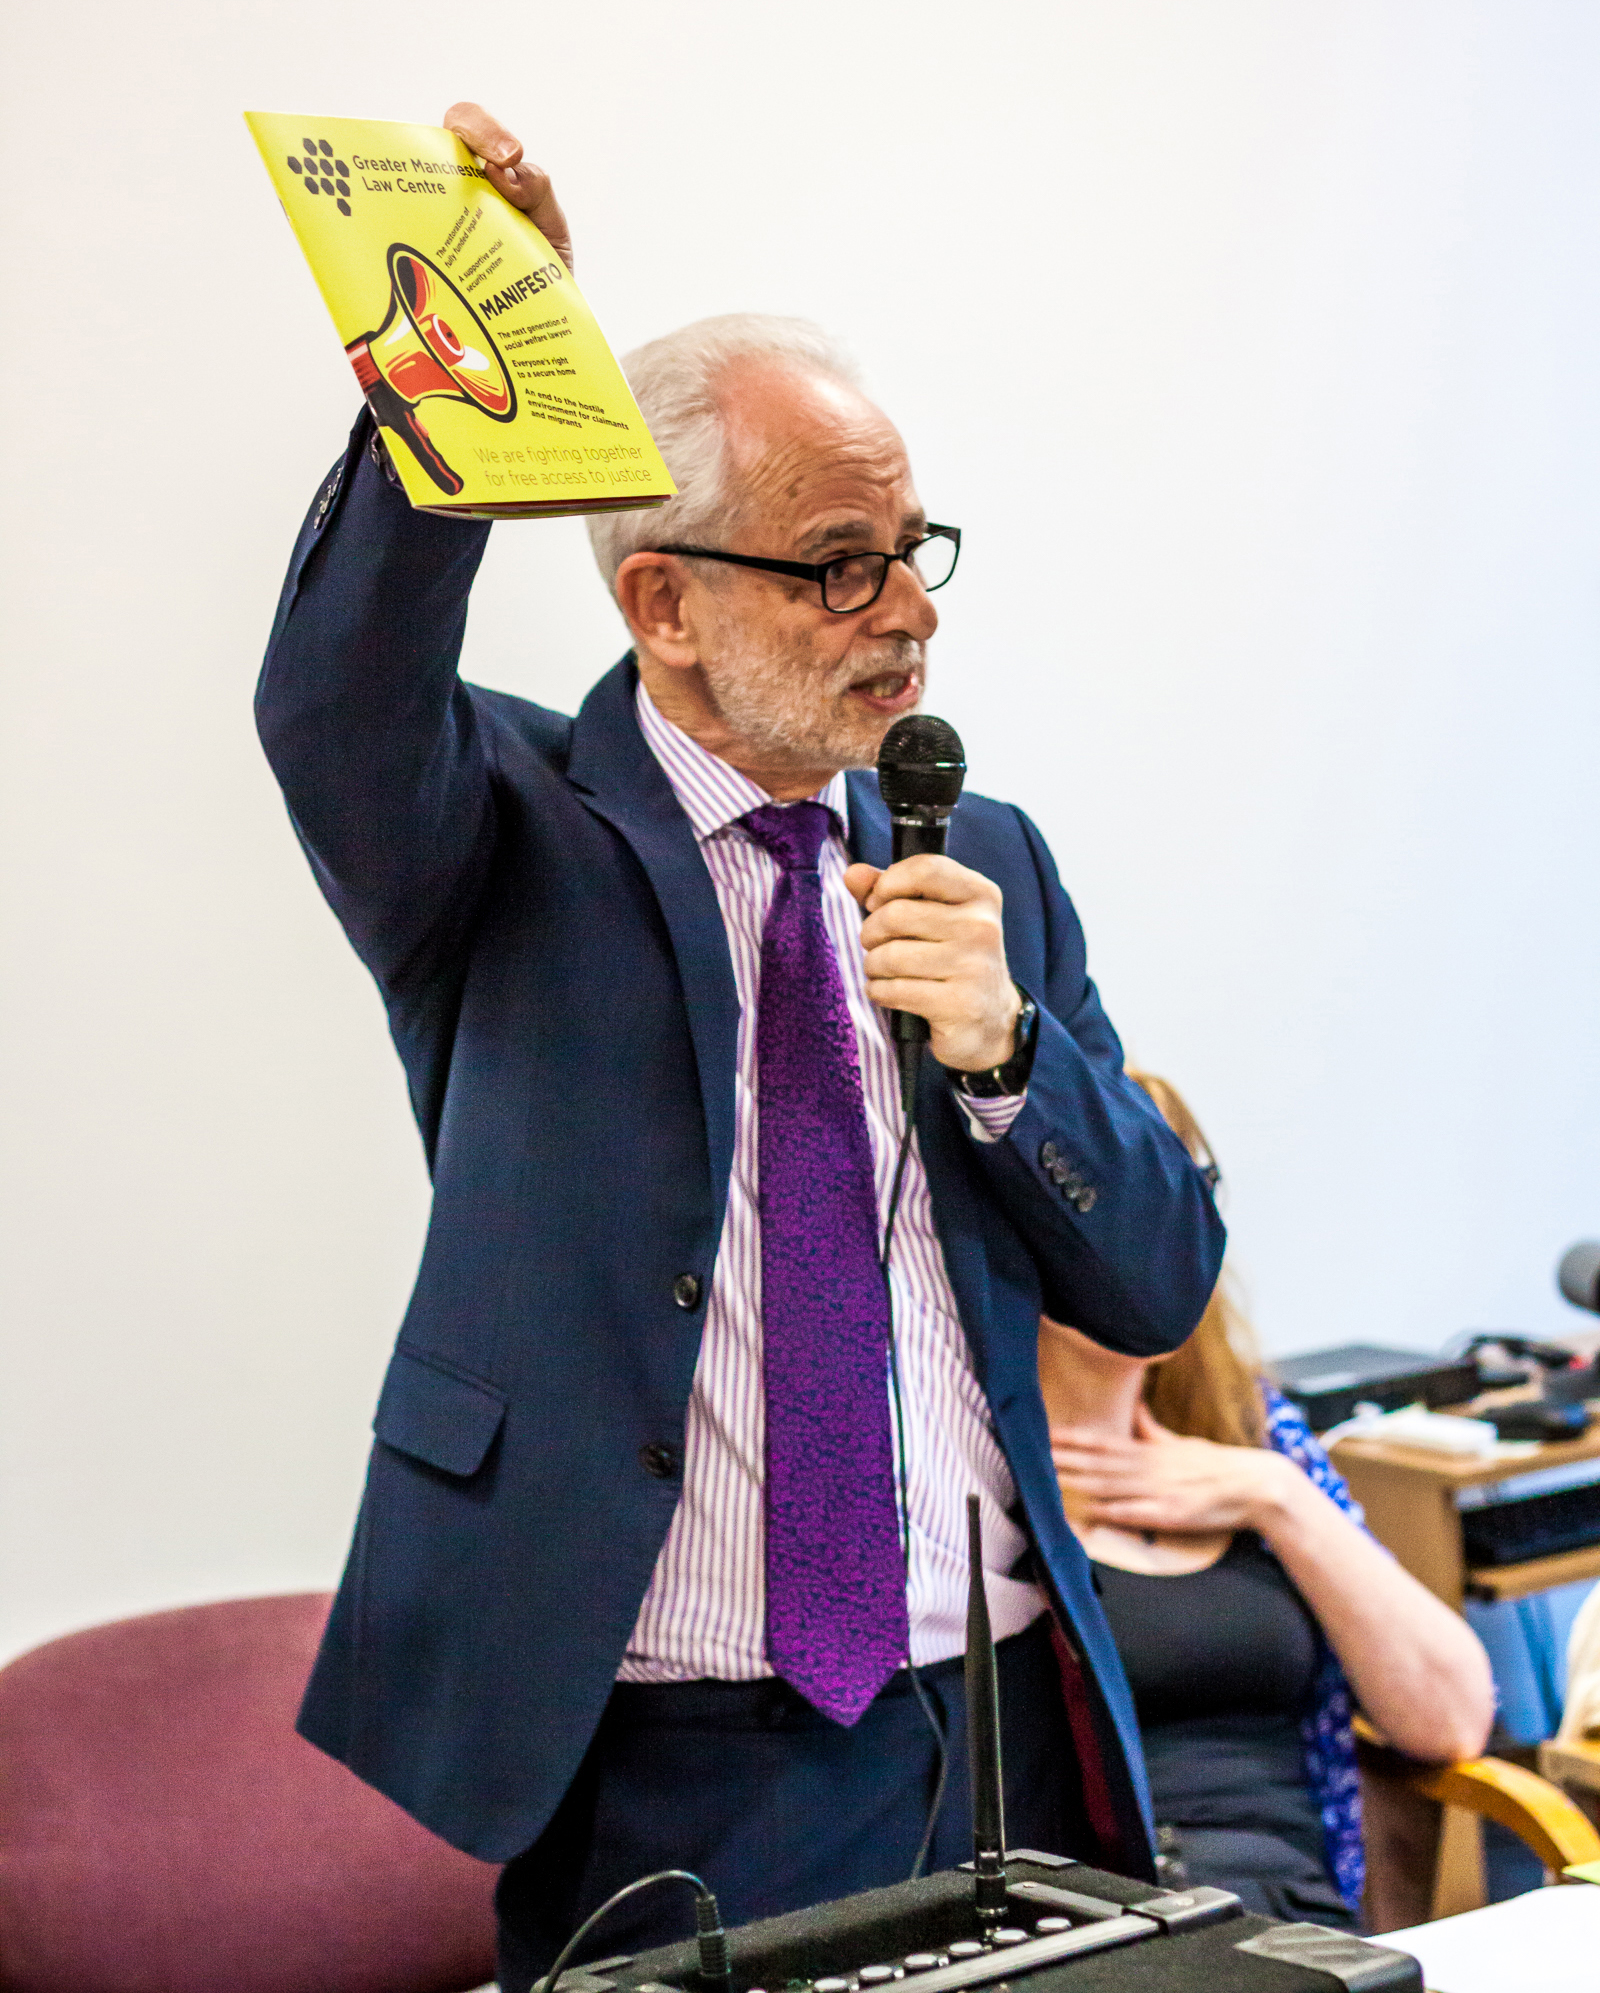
(792, 832)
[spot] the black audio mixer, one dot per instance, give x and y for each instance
(1065, 1928)
(1006, 1918)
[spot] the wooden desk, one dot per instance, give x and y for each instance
(1409, 1496)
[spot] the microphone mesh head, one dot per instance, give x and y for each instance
(1578, 1275)
(921, 765)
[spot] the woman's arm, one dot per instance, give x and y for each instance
(1416, 1668)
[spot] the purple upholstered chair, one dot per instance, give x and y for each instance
(163, 1830)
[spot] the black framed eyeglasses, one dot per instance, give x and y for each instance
(853, 581)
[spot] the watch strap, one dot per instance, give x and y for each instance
(1010, 1079)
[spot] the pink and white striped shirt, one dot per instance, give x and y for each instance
(705, 1611)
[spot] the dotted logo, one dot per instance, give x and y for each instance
(321, 173)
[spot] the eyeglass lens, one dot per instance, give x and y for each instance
(853, 582)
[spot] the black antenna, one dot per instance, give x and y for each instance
(983, 1738)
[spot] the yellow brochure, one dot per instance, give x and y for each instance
(497, 392)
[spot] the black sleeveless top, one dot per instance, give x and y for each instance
(1233, 1639)
(1222, 1664)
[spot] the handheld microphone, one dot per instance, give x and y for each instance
(921, 767)
(1578, 1275)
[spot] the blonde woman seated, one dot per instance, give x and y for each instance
(1248, 1603)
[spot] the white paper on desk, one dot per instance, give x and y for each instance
(1545, 1942)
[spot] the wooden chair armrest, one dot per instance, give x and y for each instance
(1538, 1813)
(1535, 1809)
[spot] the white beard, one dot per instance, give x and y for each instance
(795, 713)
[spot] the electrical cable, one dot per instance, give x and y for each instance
(910, 1061)
(710, 1937)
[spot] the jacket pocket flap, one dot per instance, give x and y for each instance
(447, 1421)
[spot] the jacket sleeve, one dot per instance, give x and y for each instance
(372, 736)
(1121, 1223)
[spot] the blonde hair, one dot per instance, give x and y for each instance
(1210, 1387)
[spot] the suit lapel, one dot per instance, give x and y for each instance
(621, 781)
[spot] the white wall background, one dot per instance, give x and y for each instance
(1254, 345)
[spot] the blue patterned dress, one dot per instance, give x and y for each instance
(1326, 1737)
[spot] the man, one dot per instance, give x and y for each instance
(629, 1588)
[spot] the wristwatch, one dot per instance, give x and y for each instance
(1003, 1082)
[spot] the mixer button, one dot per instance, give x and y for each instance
(1008, 1937)
(966, 1948)
(923, 1961)
(875, 1975)
(1047, 1925)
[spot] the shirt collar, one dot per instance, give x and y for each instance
(712, 793)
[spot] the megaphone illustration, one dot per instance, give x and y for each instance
(431, 343)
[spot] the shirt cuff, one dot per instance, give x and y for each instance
(988, 1120)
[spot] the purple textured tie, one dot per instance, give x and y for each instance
(836, 1598)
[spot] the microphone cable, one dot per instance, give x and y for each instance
(910, 1064)
(711, 1939)
(922, 767)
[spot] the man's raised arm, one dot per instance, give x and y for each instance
(366, 725)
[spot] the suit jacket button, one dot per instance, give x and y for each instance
(1085, 1198)
(660, 1460)
(686, 1290)
(1047, 1154)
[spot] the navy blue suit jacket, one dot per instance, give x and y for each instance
(531, 900)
